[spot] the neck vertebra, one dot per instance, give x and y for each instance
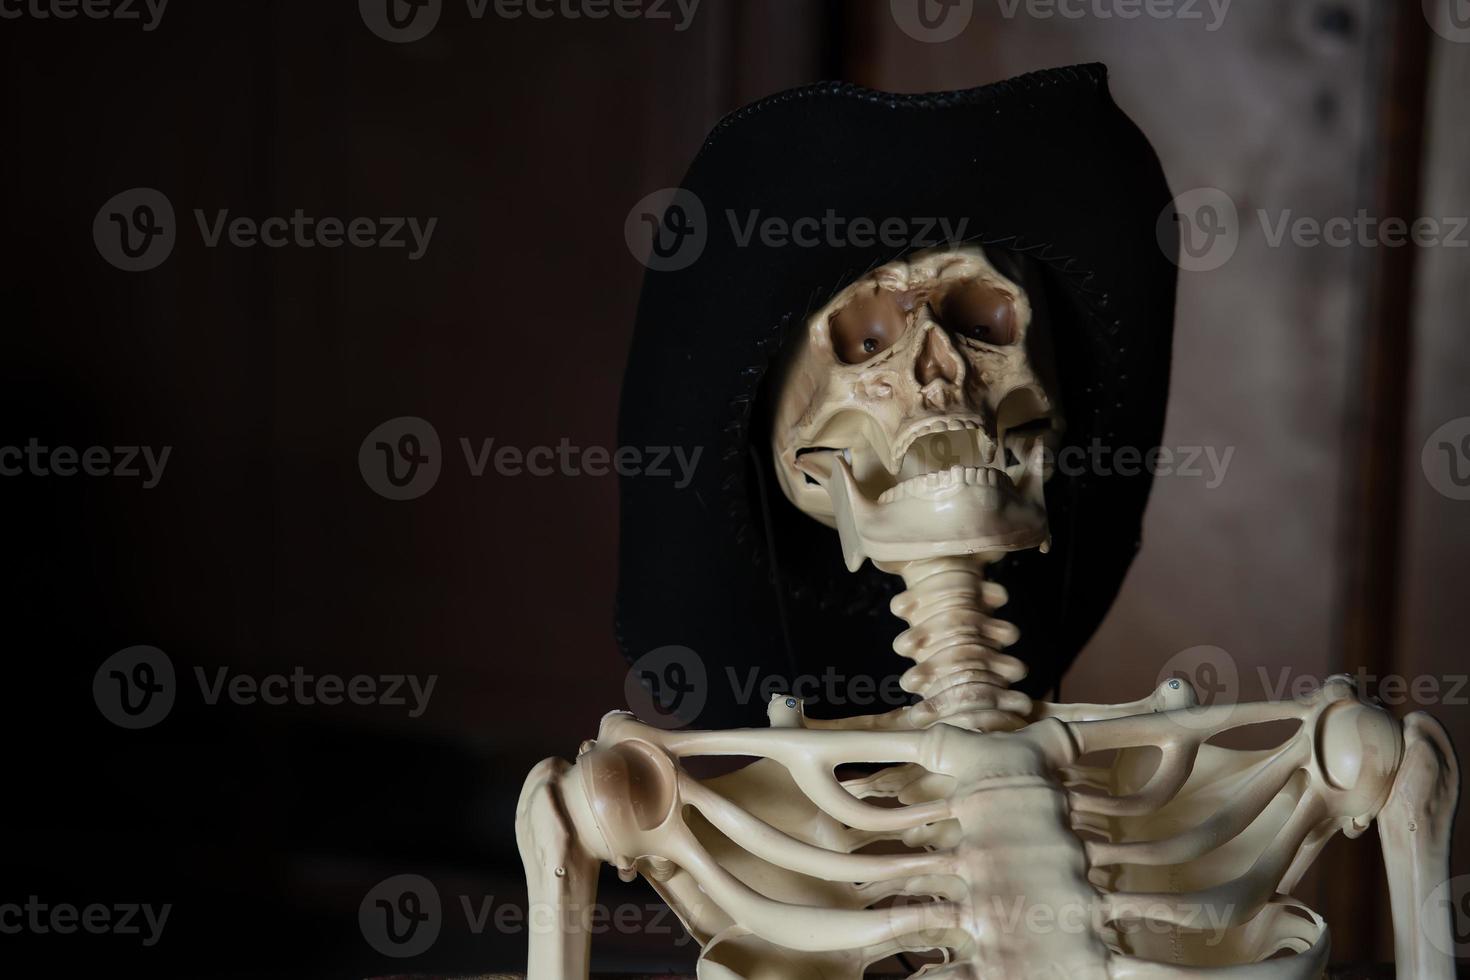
(959, 670)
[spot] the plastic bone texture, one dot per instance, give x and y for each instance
(977, 833)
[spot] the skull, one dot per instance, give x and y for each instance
(917, 414)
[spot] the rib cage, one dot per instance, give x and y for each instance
(1000, 851)
(1006, 896)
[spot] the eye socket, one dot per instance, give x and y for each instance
(980, 311)
(867, 326)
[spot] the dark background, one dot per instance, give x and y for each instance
(263, 548)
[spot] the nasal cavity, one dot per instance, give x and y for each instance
(938, 359)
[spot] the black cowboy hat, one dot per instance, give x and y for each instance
(1043, 171)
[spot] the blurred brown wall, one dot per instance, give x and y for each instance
(530, 140)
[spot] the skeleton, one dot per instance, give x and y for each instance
(980, 832)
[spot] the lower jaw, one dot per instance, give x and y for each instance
(963, 520)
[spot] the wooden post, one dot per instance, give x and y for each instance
(1374, 445)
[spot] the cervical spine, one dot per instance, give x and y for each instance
(959, 670)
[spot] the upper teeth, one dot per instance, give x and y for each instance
(928, 428)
